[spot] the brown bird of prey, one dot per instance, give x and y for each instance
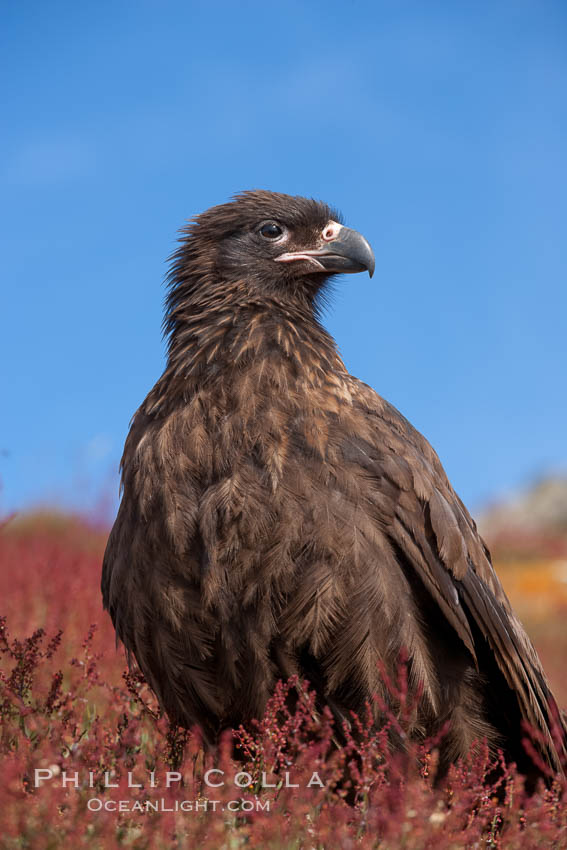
(280, 517)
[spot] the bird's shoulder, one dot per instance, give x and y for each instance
(429, 517)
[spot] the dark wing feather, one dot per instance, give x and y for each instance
(433, 532)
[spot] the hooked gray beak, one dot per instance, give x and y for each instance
(344, 251)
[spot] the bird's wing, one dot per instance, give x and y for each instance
(432, 531)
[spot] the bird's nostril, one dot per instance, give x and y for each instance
(331, 231)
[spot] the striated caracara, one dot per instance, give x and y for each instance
(279, 517)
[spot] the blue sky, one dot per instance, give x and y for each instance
(439, 130)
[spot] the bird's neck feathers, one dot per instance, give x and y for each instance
(218, 324)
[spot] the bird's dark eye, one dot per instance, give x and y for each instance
(271, 230)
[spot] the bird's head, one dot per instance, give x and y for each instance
(272, 242)
(281, 236)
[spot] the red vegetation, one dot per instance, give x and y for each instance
(71, 711)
